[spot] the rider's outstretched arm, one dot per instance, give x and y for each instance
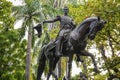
(53, 20)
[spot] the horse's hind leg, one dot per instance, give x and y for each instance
(69, 66)
(52, 65)
(41, 65)
(51, 61)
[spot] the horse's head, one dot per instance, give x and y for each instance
(95, 26)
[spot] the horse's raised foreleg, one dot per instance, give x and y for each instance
(41, 65)
(85, 53)
(69, 66)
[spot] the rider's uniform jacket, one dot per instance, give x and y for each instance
(66, 25)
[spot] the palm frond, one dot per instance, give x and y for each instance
(19, 10)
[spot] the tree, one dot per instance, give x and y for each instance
(29, 12)
(12, 49)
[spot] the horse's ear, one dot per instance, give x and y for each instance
(98, 18)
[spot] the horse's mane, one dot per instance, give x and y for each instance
(87, 20)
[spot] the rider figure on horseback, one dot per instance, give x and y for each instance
(66, 25)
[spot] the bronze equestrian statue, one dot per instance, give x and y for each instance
(75, 43)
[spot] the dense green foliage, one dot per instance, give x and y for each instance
(13, 46)
(12, 49)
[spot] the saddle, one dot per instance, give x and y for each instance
(50, 48)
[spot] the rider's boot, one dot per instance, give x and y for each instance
(58, 47)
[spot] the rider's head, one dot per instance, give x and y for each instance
(66, 10)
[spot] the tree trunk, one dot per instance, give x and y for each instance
(28, 57)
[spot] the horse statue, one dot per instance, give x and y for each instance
(75, 43)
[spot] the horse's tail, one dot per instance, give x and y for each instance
(41, 64)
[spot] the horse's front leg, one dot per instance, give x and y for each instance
(69, 65)
(85, 53)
